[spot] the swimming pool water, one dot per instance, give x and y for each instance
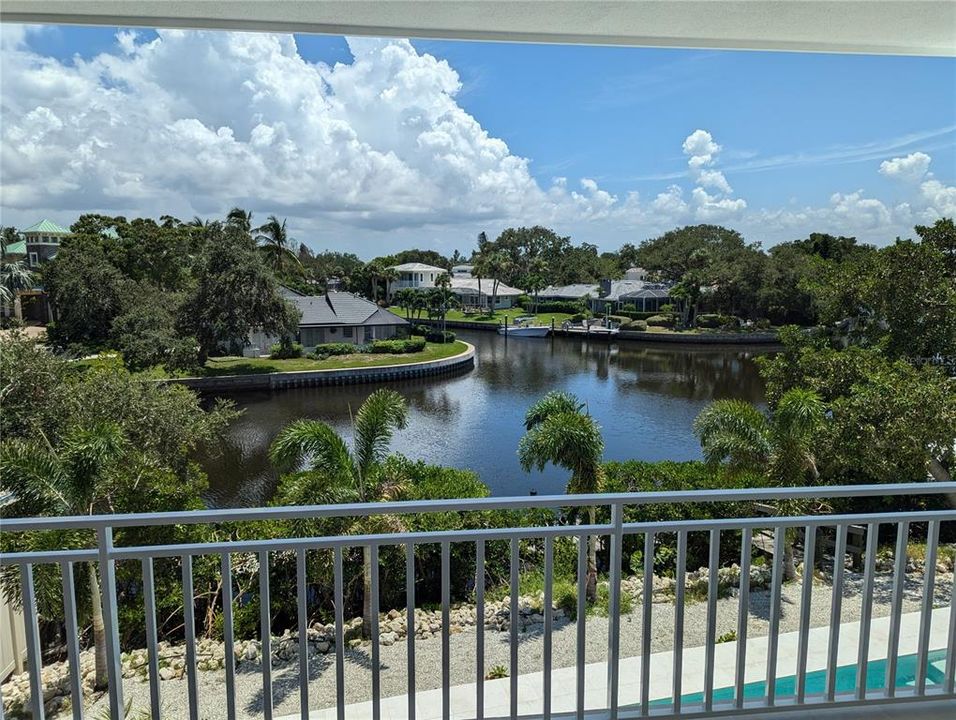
(906, 666)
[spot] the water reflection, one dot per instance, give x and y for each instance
(644, 396)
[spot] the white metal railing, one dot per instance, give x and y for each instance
(106, 555)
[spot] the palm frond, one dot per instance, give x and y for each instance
(384, 412)
(35, 479)
(735, 431)
(327, 452)
(799, 414)
(551, 404)
(316, 488)
(569, 440)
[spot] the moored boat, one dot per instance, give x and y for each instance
(524, 330)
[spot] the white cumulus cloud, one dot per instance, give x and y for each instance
(375, 150)
(910, 168)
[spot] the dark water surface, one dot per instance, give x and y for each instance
(645, 397)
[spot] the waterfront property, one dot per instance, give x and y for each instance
(332, 318)
(488, 297)
(419, 276)
(634, 292)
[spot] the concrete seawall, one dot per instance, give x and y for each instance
(717, 338)
(346, 376)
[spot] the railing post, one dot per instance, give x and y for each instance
(614, 607)
(104, 536)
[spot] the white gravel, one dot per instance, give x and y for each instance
(463, 658)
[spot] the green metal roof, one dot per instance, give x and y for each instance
(16, 248)
(47, 226)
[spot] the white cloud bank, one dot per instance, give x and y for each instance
(196, 122)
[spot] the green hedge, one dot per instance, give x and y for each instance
(437, 336)
(420, 330)
(635, 314)
(398, 347)
(338, 348)
(285, 350)
(667, 321)
(716, 320)
(553, 306)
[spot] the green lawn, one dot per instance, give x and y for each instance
(252, 366)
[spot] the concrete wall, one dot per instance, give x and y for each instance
(313, 378)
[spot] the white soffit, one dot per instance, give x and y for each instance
(902, 27)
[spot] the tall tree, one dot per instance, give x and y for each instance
(559, 431)
(234, 294)
(241, 219)
(276, 246)
(338, 473)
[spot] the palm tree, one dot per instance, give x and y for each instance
(388, 276)
(374, 271)
(337, 473)
(276, 245)
(779, 446)
(559, 431)
(14, 277)
(70, 480)
(241, 219)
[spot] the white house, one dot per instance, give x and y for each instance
(415, 276)
(465, 271)
(466, 288)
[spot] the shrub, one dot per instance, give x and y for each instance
(577, 317)
(397, 347)
(565, 596)
(729, 636)
(718, 320)
(552, 306)
(635, 314)
(640, 325)
(285, 350)
(497, 672)
(661, 321)
(437, 336)
(762, 324)
(340, 348)
(420, 330)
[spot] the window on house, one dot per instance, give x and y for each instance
(369, 333)
(348, 332)
(33, 259)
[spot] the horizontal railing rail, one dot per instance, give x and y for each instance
(622, 698)
(298, 512)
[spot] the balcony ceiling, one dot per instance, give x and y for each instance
(903, 27)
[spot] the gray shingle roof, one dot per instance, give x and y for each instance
(341, 308)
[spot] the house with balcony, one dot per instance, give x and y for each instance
(419, 276)
(416, 276)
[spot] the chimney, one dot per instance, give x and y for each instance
(605, 287)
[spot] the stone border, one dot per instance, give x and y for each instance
(718, 338)
(338, 376)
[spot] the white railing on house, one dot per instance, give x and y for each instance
(928, 522)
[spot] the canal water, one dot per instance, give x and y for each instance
(645, 397)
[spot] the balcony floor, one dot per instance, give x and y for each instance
(497, 692)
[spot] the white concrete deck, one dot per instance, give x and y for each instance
(530, 696)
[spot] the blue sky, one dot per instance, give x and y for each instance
(799, 141)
